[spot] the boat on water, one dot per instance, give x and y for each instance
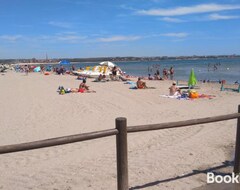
(104, 68)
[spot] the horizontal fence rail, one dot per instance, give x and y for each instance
(121, 131)
(99, 134)
(177, 124)
(56, 141)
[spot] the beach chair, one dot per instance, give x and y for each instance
(223, 88)
(100, 69)
(185, 86)
(94, 68)
(105, 69)
(88, 68)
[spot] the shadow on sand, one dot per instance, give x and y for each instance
(194, 172)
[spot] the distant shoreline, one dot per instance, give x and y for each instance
(114, 59)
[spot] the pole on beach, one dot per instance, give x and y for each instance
(122, 154)
(236, 169)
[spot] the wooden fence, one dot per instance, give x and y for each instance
(121, 131)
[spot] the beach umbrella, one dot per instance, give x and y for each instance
(64, 62)
(192, 79)
(37, 69)
(107, 63)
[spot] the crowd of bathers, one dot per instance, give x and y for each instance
(166, 74)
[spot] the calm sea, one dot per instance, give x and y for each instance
(205, 69)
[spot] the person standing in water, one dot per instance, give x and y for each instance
(171, 73)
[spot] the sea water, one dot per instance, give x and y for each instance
(205, 69)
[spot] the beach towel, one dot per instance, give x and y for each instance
(135, 87)
(130, 82)
(175, 97)
(184, 97)
(103, 80)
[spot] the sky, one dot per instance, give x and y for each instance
(111, 28)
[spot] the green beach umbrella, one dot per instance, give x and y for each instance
(192, 79)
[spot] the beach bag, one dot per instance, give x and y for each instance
(193, 94)
(61, 90)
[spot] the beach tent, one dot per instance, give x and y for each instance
(64, 62)
(192, 79)
(107, 63)
(37, 69)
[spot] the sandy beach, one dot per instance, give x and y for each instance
(31, 109)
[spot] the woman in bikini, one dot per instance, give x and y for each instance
(84, 88)
(141, 84)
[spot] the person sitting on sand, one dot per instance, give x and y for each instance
(141, 84)
(100, 77)
(174, 90)
(150, 77)
(114, 73)
(60, 71)
(84, 88)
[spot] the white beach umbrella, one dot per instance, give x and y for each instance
(107, 63)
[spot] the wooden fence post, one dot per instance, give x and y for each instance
(237, 147)
(122, 153)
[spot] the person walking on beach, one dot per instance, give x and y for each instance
(42, 69)
(26, 68)
(171, 73)
(165, 74)
(157, 75)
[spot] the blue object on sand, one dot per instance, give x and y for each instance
(64, 62)
(133, 87)
(37, 69)
(130, 82)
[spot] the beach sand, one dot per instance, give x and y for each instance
(31, 109)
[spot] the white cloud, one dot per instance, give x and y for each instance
(127, 7)
(178, 35)
(70, 38)
(11, 38)
(221, 17)
(118, 38)
(202, 8)
(170, 19)
(60, 24)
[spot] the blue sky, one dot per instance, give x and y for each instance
(98, 28)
